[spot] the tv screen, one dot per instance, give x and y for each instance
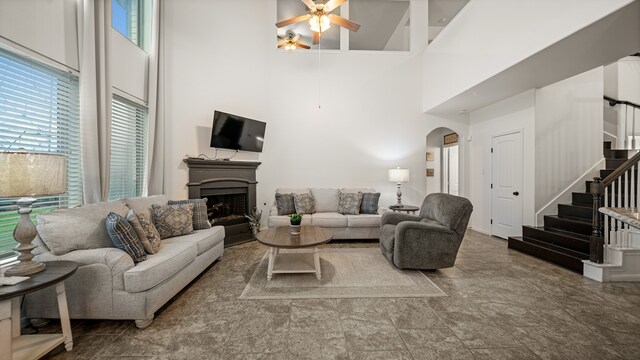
(236, 132)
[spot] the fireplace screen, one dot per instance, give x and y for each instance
(227, 209)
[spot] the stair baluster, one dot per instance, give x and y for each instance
(623, 187)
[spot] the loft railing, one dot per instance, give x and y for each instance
(629, 110)
(619, 189)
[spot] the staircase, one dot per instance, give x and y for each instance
(564, 238)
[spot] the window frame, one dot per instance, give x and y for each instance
(47, 129)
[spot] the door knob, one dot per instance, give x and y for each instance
(516, 193)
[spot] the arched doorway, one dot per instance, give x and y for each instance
(443, 162)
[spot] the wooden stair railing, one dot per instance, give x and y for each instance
(618, 189)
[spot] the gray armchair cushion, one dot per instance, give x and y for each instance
(448, 210)
(430, 240)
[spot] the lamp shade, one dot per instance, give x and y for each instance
(398, 175)
(31, 174)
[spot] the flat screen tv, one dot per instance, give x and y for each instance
(236, 132)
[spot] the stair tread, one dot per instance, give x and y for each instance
(579, 205)
(557, 248)
(571, 219)
(570, 262)
(576, 236)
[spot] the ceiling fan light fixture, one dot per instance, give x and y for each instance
(290, 46)
(319, 23)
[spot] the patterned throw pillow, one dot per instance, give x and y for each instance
(304, 203)
(285, 204)
(132, 218)
(369, 203)
(173, 220)
(349, 203)
(150, 231)
(200, 218)
(124, 237)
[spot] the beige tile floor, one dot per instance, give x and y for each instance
(501, 305)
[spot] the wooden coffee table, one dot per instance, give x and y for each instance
(293, 262)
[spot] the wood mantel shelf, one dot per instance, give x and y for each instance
(194, 163)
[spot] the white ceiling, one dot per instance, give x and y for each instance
(440, 14)
(379, 20)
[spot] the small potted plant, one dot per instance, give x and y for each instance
(295, 220)
(254, 220)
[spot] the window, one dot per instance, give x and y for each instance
(132, 18)
(39, 107)
(129, 132)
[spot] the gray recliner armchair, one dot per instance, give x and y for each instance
(427, 241)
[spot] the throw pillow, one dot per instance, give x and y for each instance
(304, 203)
(173, 220)
(285, 204)
(369, 203)
(200, 218)
(124, 237)
(150, 231)
(349, 203)
(132, 218)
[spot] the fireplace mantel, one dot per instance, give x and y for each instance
(219, 177)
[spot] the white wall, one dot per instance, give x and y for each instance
(370, 118)
(629, 79)
(47, 27)
(515, 113)
(490, 36)
(568, 138)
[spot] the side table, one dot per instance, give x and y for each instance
(14, 346)
(406, 208)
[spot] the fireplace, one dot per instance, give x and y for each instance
(230, 190)
(226, 209)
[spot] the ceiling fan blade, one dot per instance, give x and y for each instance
(332, 4)
(340, 21)
(310, 4)
(316, 38)
(281, 37)
(281, 46)
(295, 38)
(303, 46)
(294, 20)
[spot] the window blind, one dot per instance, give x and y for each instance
(129, 132)
(39, 112)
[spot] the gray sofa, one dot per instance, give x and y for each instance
(429, 240)
(107, 284)
(362, 226)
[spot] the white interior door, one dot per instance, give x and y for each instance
(506, 185)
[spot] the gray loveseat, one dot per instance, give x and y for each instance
(108, 285)
(429, 240)
(362, 226)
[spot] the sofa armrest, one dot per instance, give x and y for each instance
(394, 218)
(116, 260)
(273, 211)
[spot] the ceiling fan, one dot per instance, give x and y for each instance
(290, 42)
(320, 18)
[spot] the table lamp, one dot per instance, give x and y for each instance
(26, 175)
(399, 176)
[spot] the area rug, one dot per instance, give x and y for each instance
(346, 273)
